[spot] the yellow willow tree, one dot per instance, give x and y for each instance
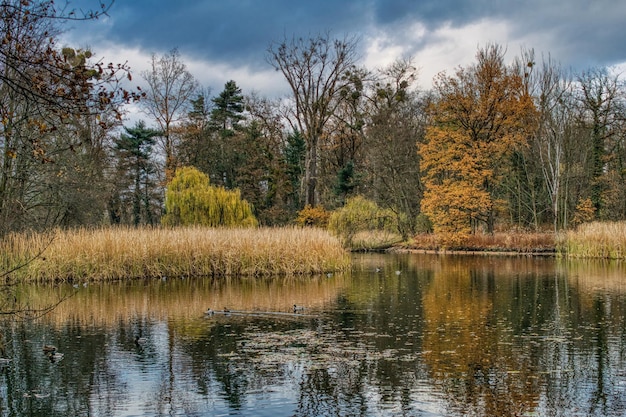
(477, 119)
(191, 200)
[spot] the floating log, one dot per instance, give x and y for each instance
(227, 312)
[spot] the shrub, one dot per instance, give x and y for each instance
(360, 214)
(313, 216)
(585, 212)
(191, 200)
(423, 224)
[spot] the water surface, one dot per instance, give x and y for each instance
(400, 335)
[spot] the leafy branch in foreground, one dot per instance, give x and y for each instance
(53, 80)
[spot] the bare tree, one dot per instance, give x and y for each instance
(551, 88)
(48, 97)
(398, 122)
(600, 116)
(316, 70)
(170, 89)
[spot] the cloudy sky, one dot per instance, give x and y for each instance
(221, 40)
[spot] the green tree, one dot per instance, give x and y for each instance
(226, 114)
(262, 172)
(191, 200)
(136, 174)
(196, 147)
(228, 107)
(343, 149)
(346, 181)
(396, 123)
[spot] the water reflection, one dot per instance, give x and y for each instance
(401, 335)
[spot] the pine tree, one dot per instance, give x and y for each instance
(134, 152)
(229, 107)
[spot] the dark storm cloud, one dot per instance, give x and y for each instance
(575, 32)
(236, 31)
(433, 13)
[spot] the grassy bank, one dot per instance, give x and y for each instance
(123, 253)
(500, 242)
(606, 240)
(599, 240)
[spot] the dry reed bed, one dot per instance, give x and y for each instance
(123, 253)
(606, 240)
(512, 241)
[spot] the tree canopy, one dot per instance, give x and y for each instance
(491, 145)
(478, 119)
(191, 200)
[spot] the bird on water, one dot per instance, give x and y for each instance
(49, 349)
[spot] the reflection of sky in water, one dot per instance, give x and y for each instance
(448, 336)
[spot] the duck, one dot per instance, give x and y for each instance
(49, 349)
(209, 312)
(55, 356)
(140, 340)
(297, 308)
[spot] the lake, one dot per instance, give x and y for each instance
(399, 335)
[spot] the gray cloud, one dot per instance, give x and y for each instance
(579, 33)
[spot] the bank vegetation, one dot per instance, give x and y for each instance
(503, 144)
(126, 253)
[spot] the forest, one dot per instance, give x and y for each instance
(506, 143)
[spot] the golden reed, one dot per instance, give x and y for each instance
(605, 240)
(126, 253)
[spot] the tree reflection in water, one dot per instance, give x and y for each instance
(448, 336)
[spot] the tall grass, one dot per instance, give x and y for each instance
(122, 253)
(606, 240)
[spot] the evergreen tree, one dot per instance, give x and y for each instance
(134, 151)
(295, 151)
(229, 107)
(224, 123)
(346, 181)
(196, 147)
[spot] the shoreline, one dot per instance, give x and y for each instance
(486, 252)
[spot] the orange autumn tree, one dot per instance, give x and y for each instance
(476, 121)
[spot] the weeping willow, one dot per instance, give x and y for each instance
(191, 200)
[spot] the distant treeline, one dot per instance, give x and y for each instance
(526, 145)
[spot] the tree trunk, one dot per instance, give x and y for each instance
(311, 172)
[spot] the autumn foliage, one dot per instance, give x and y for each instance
(477, 120)
(313, 216)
